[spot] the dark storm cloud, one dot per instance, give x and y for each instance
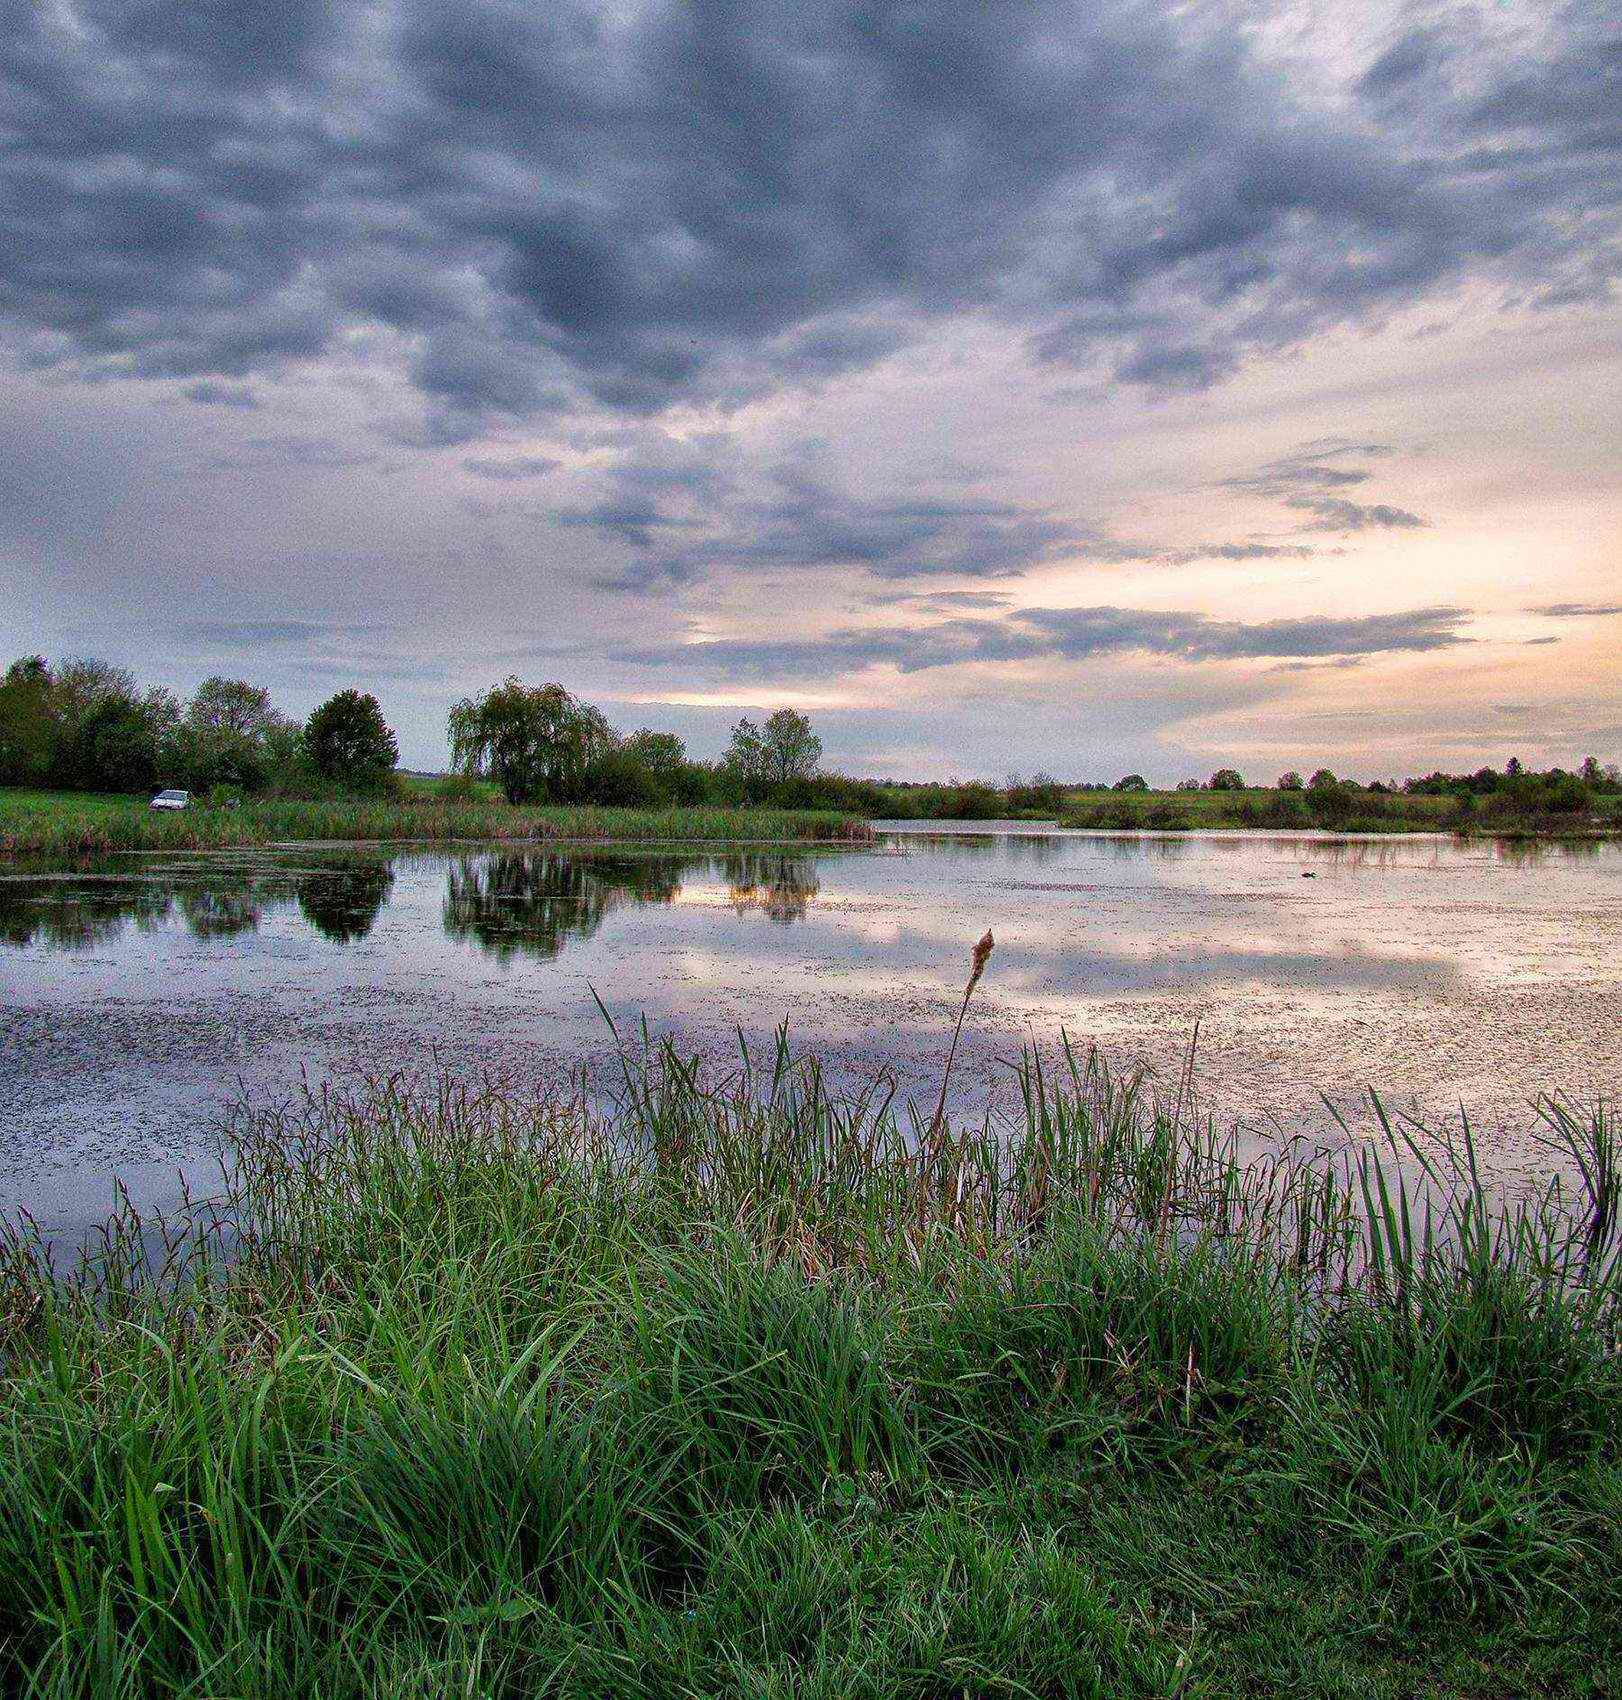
(1335, 513)
(1078, 632)
(672, 203)
(1574, 611)
(1065, 634)
(822, 528)
(1176, 368)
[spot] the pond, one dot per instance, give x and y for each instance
(140, 993)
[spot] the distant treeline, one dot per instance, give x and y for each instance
(85, 725)
(1513, 797)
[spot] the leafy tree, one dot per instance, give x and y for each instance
(974, 800)
(790, 749)
(117, 747)
(1188, 785)
(617, 779)
(230, 709)
(1591, 773)
(1290, 781)
(536, 741)
(106, 737)
(662, 753)
(1323, 780)
(1332, 805)
(1132, 782)
(27, 722)
(83, 684)
(1512, 768)
(232, 736)
(644, 769)
(1227, 779)
(763, 759)
(348, 740)
(745, 760)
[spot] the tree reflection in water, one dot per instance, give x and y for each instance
(535, 903)
(506, 902)
(220, 911)
(780, 886)
(342, 902)
(77, 916)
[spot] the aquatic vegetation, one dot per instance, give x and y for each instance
(731, 1384)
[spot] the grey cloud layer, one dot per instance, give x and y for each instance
(1065, 634)
(1311, 469)
(544, 205)
(1335, 513)
(688, 507)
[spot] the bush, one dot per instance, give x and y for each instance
(616, 778)
(1331, 805)
(1286, 809)
(458, 788)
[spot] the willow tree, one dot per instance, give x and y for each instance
(534, 741)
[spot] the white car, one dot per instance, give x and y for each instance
(172, 800)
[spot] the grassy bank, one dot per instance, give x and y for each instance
(742, 1390)
(68, 823)
(1343, 811)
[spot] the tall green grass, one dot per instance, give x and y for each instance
(740, 1386)
(61, 823)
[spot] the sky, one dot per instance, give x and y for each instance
(1011, 385)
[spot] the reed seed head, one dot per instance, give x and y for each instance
(982, 955)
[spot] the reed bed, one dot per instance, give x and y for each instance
(63, 824)
(728, 1383)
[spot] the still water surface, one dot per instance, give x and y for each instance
(140, 992)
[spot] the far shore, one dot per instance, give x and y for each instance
(34, 822)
